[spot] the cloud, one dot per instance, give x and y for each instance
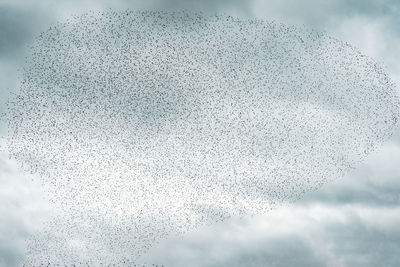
(376, 37)
(22, 209)
(371, 26)
(318, 14)
(350, 223)
(376, 182)
(18, 27)
(14, 30)
(314, 235)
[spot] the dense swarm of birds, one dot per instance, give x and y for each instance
(143, 125)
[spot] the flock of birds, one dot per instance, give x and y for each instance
(143, 125)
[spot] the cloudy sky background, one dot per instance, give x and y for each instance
(351, 222)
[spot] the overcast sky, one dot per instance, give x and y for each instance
(350, 222)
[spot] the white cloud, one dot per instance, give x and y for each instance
(319, 225)
(22, 210)
(326, 233)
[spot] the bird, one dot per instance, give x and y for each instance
(144, 125)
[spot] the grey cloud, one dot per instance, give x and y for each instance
(385, 195)
(236, 6)
(283, 251)
(351, 222)
(364, 190)
(374, 183)
(13, 31)
(356, 243)
(319, 13)
(12, 237)
(18, 27)
(295, 237)
(19, 24)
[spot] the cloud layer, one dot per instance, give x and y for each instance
(351, 222)
(370, 25)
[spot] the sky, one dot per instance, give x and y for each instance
(352, 221)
